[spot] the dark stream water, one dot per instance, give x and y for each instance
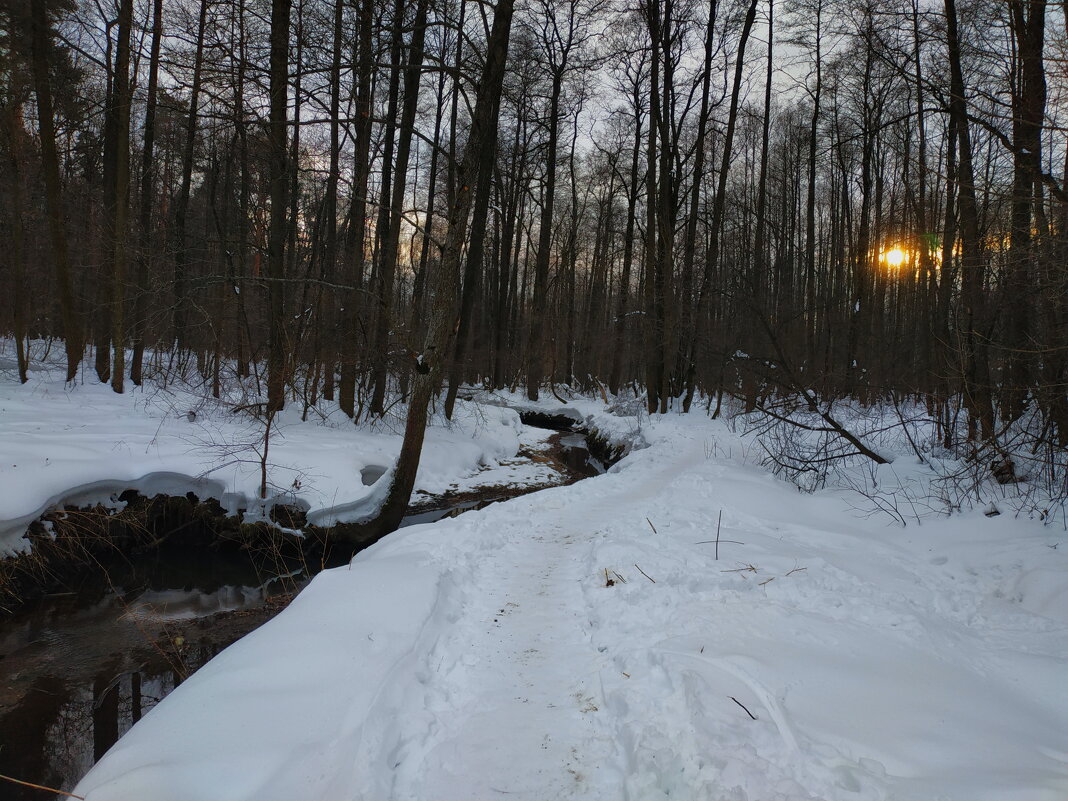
(77, 670)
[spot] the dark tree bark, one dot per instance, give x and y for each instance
(977, 390)
(119, 234)
(393, 213)
(279, 182)
(473, 265)
(538, 309)
(180, 319)
(40, 41)
(148, 189)
(810, 203)
(13, 139)
(615, 375)
(1028, 24)
(329, 213)
(382, 281)
(356, 250)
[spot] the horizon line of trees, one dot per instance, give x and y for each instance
(768, 198)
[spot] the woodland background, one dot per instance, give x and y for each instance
(791, 202)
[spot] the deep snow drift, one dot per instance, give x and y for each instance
(584, 642)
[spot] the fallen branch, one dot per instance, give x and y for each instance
(743, 706)
(650, 522)
(646, 575)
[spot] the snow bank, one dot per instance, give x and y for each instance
(619, 426)
(84, 444)
(821, 656)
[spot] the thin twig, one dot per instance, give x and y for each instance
(795, 570)
(761, 584)
(743, 706)
(719, 522)
(41, 787)
(650, 522)
(646, 575)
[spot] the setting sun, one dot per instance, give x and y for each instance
(895, 257)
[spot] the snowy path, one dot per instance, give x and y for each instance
(513, 689)
(484, 657)
(516, 687)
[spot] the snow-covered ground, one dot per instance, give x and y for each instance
(584, 642)
(84, 444)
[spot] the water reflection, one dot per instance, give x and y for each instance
(75, 680)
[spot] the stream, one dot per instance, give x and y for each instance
(78, 669)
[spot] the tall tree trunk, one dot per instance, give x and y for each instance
(100, 317)
(419, 285)
(279, 180)
(148, 184)
(391, 242)
(761, 262)
(387, 260)
(977, 390)
(121, 98)
(181, 206)
(539, 307)
(616, 372)
(653, 362)
(663, 309)
(473, 266)
(810, 203)
(40, 41)
(1028, 24)
(14, 134)
(329, 257)
(358, 213)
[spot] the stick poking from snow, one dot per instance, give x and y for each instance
(646, 575)
(743, 706)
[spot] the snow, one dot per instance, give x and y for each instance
(84, 444)
(485, 656)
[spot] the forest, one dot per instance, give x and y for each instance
(786, 203)
(570, 399)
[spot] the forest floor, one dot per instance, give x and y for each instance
(593, 641)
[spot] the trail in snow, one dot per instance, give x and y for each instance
(485, 657)
(514, 687)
